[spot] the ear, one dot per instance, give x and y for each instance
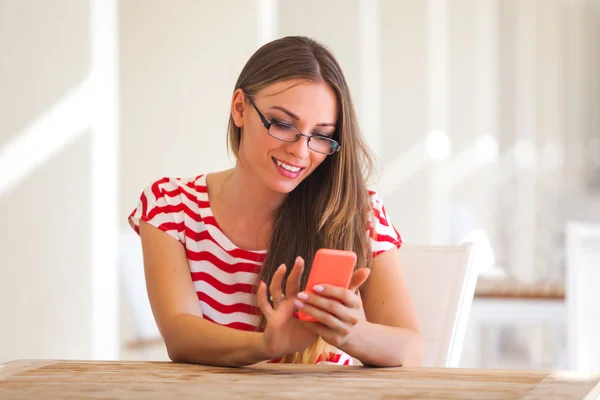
(238, 106)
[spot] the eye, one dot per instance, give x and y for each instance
(322, 138)
(282, 124)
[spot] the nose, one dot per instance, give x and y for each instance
(299, 148)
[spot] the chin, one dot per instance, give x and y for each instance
(283, 187)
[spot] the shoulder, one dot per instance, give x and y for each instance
(164, 202)
(174, 186)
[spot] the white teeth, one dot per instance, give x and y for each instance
(287, 167)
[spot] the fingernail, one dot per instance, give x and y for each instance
(318, 288)
(298, 303)
(302, 296)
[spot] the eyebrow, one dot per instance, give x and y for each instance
(294, 116)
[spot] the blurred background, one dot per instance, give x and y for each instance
(484, 116)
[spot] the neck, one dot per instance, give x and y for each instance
(245, 193)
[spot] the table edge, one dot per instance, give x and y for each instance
(15, 367)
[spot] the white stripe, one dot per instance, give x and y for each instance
(224, 241)
(380, 246)
(173, 232)
(174, 200)
(225, 319)
(213, 248)
(160, 219)
(222, 276)
(223, 298)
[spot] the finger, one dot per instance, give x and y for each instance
(346, 296)
(293, 281)
(344, 311)
(358, 278)
(275, 288)
(332, 337)
(262, 301)
(325, 318)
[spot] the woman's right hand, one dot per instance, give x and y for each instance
(284, 333)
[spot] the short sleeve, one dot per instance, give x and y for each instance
(161, 205)
(382, 233)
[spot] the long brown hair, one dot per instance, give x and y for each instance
(330, 208)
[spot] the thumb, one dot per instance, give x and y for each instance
(358, 278)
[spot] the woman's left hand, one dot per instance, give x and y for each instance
(336, 309)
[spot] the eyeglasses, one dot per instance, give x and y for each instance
(288, 133)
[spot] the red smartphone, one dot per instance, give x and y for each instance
(331, 267)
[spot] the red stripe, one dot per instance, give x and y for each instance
(205, 235)
(222, 265)
(178, 192)
(171, 226)
(347, 362)
(220, 286)
(156, 190)
(381, 217)
(334, 357)
(235, 325)
(144, 200)
(199, 188)
(236, 252)
(228, 309)
(399, 241)
(386, 238)
(210, 220)
(172, 209)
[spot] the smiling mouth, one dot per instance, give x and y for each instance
(287, 167)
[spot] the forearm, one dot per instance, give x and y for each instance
(384, 346)
(192, 339)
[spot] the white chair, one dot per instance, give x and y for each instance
(583, 295)
(441, 280)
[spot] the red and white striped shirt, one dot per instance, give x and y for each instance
(223, 274)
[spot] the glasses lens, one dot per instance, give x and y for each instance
(323, 144)
(283, 131)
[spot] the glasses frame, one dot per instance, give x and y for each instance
(268, 125)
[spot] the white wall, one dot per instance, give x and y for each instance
(178, 69)
(44, 237)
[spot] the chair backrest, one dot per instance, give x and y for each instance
(441, 280)
(582, 295)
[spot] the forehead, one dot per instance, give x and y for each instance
(315, 101)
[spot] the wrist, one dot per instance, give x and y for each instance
(350, 346)
(259, 347)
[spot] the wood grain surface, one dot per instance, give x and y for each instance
(44, 379)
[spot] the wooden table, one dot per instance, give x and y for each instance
(44, 380)
(512, 289)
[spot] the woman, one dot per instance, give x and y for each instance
(211, 242)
